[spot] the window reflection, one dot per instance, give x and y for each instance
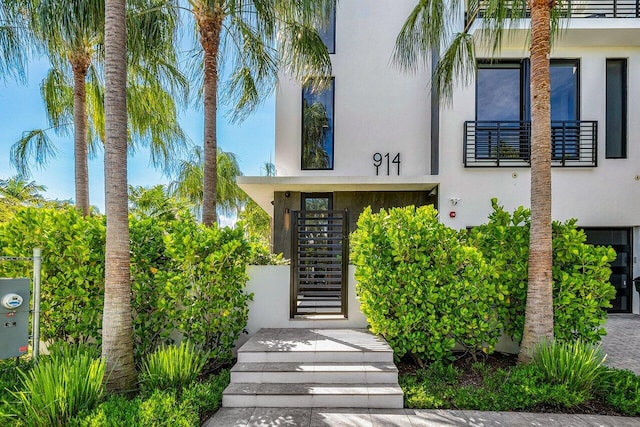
(317, 128)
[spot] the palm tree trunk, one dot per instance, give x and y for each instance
(80, 64)
(539, 308)
(117, 329)
(210, 26)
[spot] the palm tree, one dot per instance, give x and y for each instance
(188, 184)
(13, 35)
(72, 33)
(427, 30)
(258, 38)
(18, 190)
(117, 324)
(155, 202)
(73, 91)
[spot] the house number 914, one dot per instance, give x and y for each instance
(383, 162)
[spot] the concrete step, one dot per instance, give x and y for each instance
(312, 395)
(315, 356)
(310, 372)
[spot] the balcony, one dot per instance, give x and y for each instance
(508, 143)
(571, 9)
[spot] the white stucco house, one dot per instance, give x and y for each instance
(378, 137)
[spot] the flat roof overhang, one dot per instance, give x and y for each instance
(262, 188)
(575, 32)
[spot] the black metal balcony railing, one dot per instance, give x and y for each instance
(508, 143)
(569, 9)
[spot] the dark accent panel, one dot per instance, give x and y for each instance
(435, 121)
(621, 240)
(282, 208)
(357, 201)
(616, 105)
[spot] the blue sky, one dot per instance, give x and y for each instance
(21, 109)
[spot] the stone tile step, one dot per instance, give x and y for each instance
(315, 356)
(304, 340)
(311, 395)
(310, 372)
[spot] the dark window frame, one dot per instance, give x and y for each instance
(525, 78)
(577, 63)
(305, 196)
(519, 64)
(624, 109)
(331, 127)
(330, 35)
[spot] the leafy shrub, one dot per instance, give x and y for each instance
(184, 277)
(59, 388)
(261, 254)
(193, 406)
(575, 365)
(581, 288)
(72, 268)
(172, 367)
(161, 408)
(207, 396)
(522, 387)
(421, 288)
(207, 279)
(621, 389)
(154, 314)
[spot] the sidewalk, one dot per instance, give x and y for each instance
(346, 417)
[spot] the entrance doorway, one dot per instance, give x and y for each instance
(620, 239)
(319, 261)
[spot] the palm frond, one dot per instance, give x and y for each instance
(424, 31)
(57, 94)
(33, 145)
(456, 64)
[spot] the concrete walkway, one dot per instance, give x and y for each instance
(345, 417)
(622, 342)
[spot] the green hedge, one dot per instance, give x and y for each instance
(186, 278)
(421, 287)
(425, 287)
(581, 288)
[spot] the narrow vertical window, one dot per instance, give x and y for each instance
(317, 128)
(616, 124)
(328, 30)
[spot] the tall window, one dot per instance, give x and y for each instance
(317, 128)
(328, 31)
(500, 95)
(616, 125)
(503, 110)
(502, 90)
(565, 109)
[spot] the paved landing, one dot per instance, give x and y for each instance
(622, 342)
(314, 340)
(347, 417)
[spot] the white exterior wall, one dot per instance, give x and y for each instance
(606, 195)
(270, 285)
(377, 108)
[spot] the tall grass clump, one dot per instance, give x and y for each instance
(575, 365)
(60, 387)
(173, 367)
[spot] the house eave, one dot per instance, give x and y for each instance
(262, 188)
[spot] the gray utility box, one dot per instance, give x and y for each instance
(14, 317)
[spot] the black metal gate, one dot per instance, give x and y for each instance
(320, 256)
